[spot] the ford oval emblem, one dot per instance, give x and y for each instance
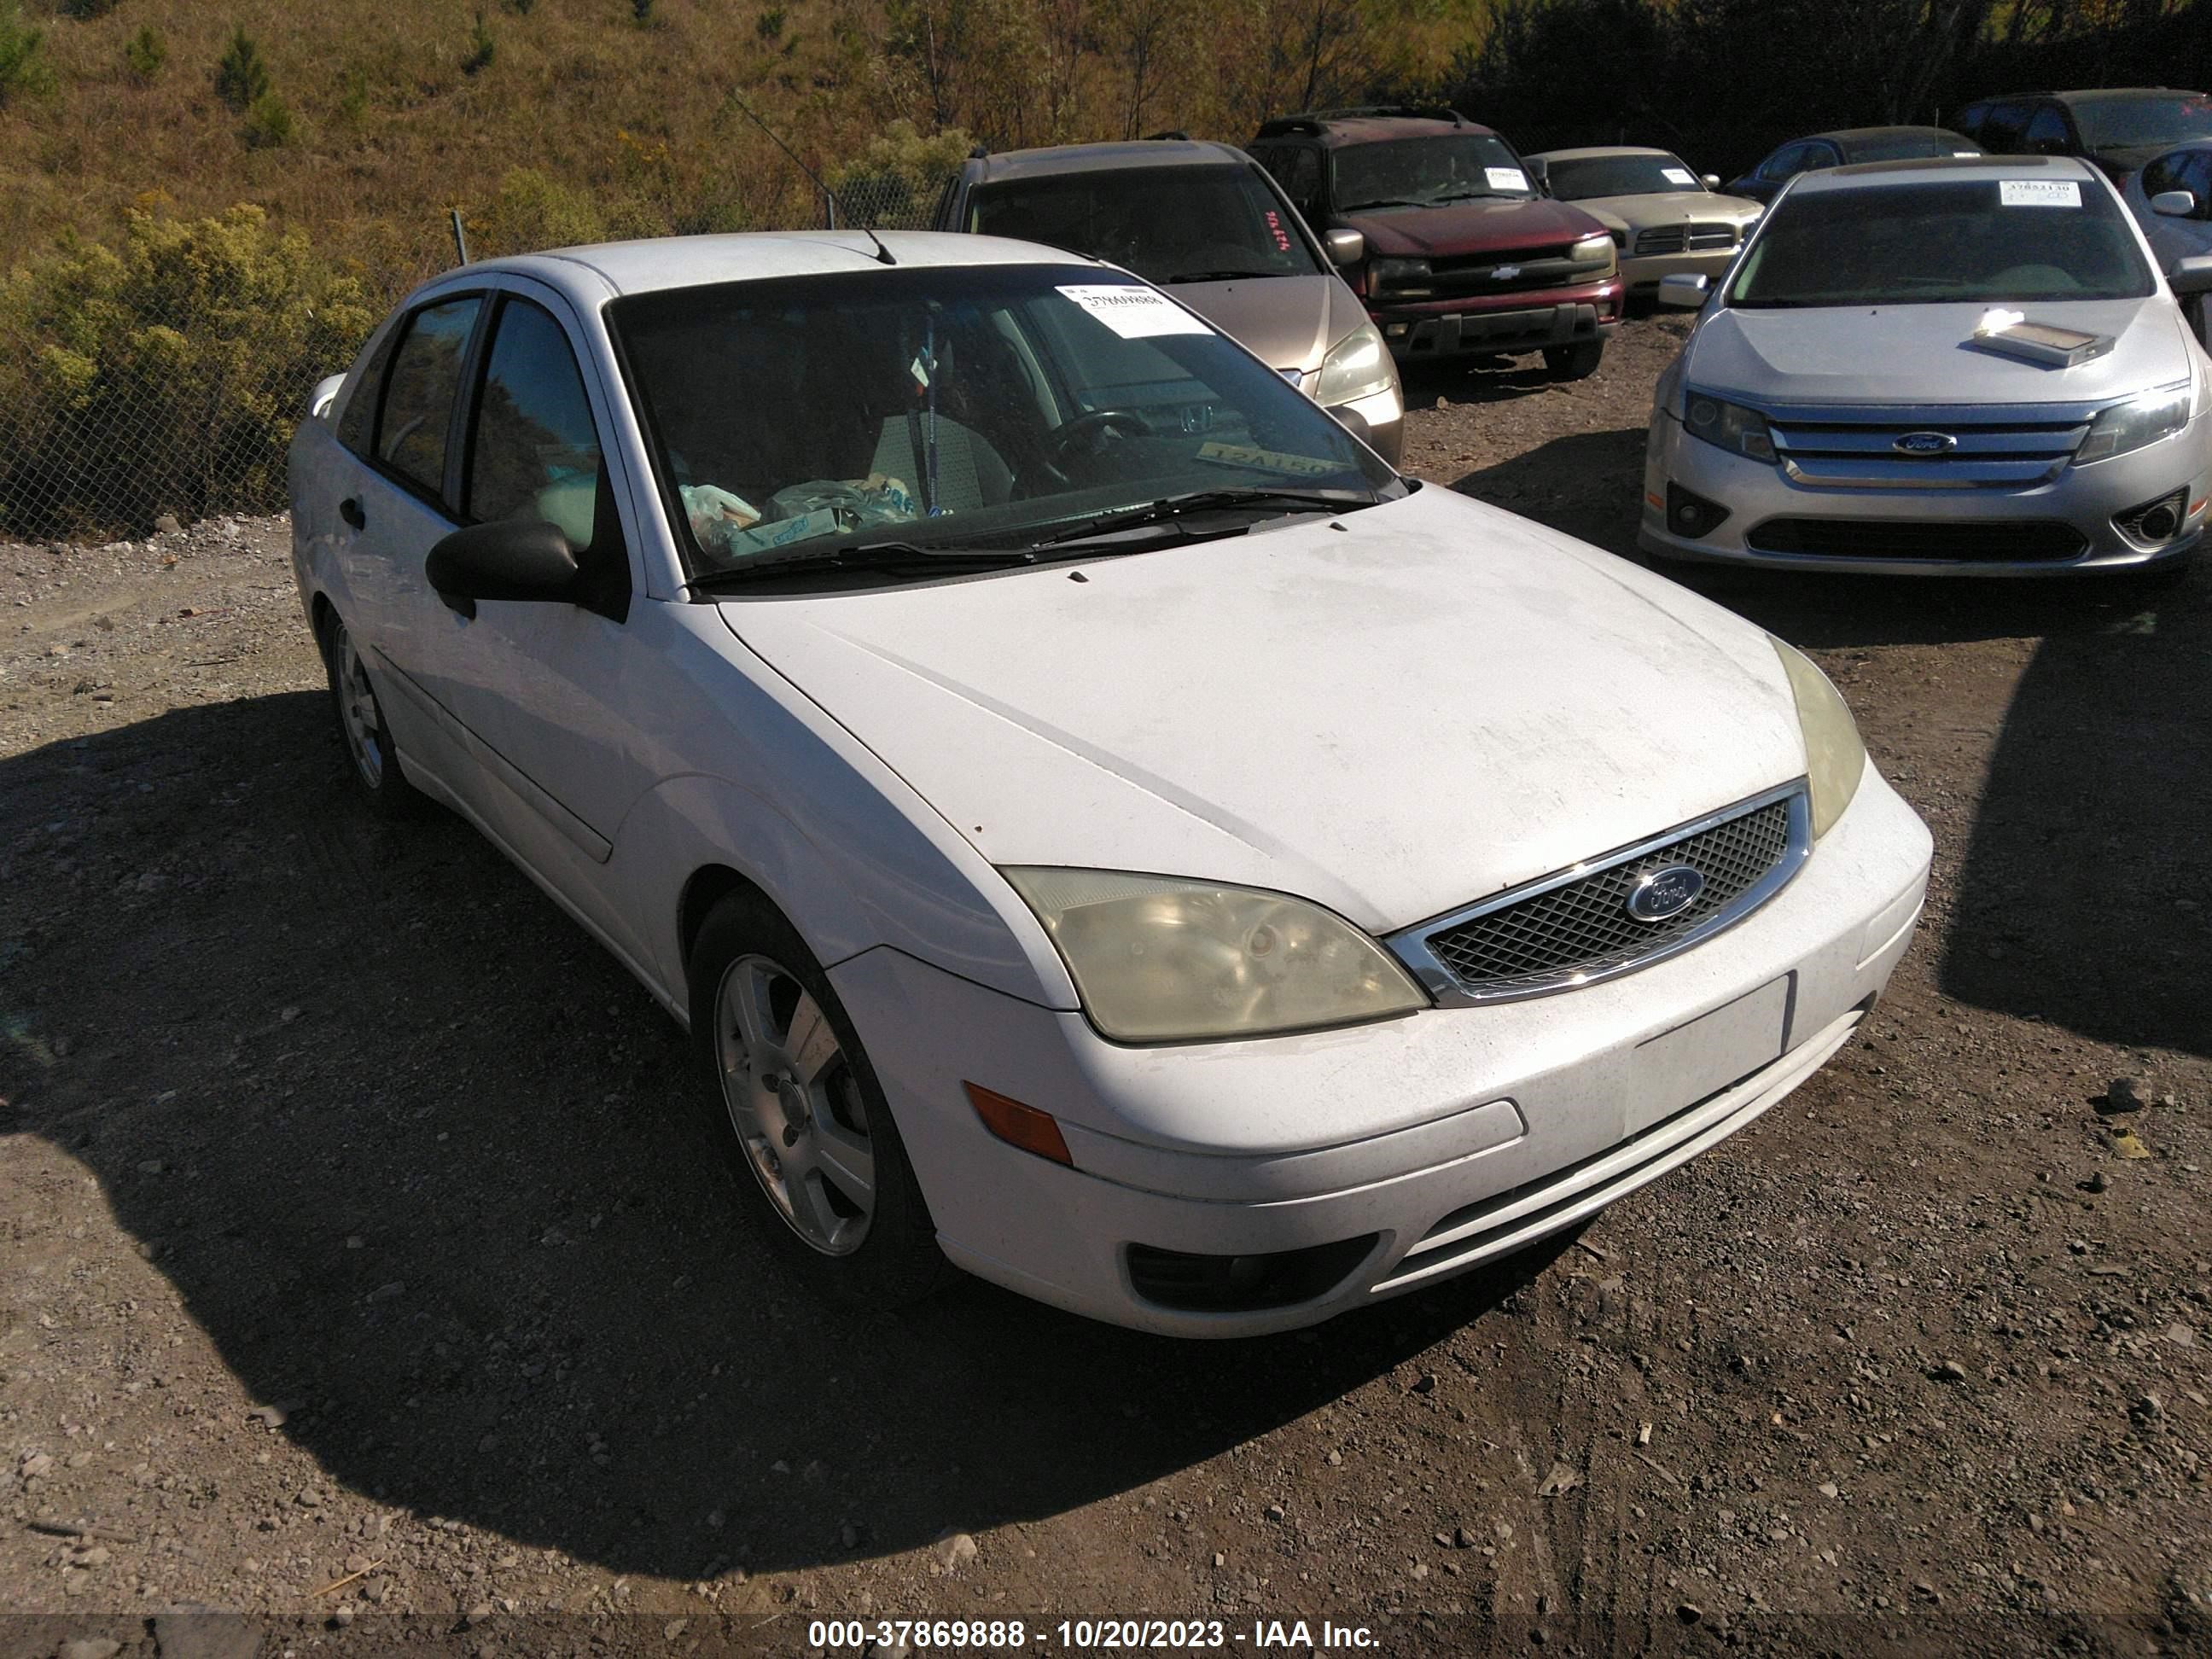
(1663, 894)
(1926, 443)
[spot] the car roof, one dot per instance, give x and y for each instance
(1919, 168)
(1337, 128)
(596, 271)
(2117, 95)
(1592, 152)
(1849, 133)
(1104, 158)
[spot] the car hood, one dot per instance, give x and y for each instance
(1470, 228)
(1645, 211)
(1917, 355)
(1289, 322)
(1394, 719)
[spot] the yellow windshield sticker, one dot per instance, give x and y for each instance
(1267, 460)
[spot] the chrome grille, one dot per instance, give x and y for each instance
(1673, 238)
(1574, 927)
(1992, 446)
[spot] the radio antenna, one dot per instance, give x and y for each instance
(882, 255)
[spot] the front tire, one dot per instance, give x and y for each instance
(1573, 362)
(372, 758)
(801, 1119)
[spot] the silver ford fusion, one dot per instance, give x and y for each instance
(1954, 365)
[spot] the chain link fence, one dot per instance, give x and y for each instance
(162, 377)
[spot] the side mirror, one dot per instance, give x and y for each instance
(507, 559)
(1345, 247)
(1540, 172)
(325, 394)
(1683, 289)
(2192, 275)
(1710, 180)
(2177, 204)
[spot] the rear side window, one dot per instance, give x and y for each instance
(1786, 162)
(418, 403)
(535, 453)
(2004, 129)
(2046, 133)
(356, 426)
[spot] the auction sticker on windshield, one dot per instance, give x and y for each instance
(1678, 175)
(1505, 177)
(1134, 313)
(2038, 192)
(1267, 460)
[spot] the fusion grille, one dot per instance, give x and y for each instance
(2016, 541)
(1583, 927)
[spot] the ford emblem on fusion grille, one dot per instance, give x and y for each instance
(1926, 443)
(1662, 894)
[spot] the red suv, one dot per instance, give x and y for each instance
(1463, 254)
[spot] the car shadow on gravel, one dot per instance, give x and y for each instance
(2084, 892)
(417, 1155)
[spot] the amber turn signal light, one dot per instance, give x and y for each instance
(1018, 1125)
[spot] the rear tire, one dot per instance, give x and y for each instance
(802, 1122)
(372, 758)
(1573, 362)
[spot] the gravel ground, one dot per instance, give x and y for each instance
(361, 1277)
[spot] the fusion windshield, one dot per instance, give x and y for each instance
(1581, 179)
(955, 407)
(1183, 224)
(1428, 172)
(2141, 123)
(1983, 239)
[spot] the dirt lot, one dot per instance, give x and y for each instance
(351, 1232)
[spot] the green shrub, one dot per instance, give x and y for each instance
(86, 8)
(519, 8)
(241, 79)
(533, 212)
(165, 376)
(896, 177)
(144, 53)
(481, 49)
(769, 26)
(642, 11)
(268, 123)
(23, 72)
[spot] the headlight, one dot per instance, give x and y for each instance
(1731, 426)
(1159, 960)
(1835, 759)
(1359, 367)
(1407, 276)
(2132, 424)
(1592, 251)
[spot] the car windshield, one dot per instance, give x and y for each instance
(1455, 166)
(945, 407)
(1983, 239)
(2137, 123)
(1582, 177)
(1909, 146)
(1173, 224)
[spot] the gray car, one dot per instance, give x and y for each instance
(1206, 222)
(1953, 366)
(1666, 220)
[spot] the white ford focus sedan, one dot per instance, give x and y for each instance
(1103, 829)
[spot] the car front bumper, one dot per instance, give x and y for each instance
(1460, 1134)
(2086, 498)
(1470, 324)
(1643, 273)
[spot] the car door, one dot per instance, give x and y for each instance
(395, 436)
(548, 690)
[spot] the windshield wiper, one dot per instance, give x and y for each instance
(1381, 201)
(1172, 509)
(893, 557)
(1214, 275)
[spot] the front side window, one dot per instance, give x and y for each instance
(1581, 179)
(2046, 133)
(1980, 240)
(2004, 129)
(971, 407)
(2129, 123)
(2163, 174)
(535, 453)
(418, 402)
(1180, 224)
(1401, 173)
(1786, 162)
(356, 427)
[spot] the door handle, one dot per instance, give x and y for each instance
(350, 510)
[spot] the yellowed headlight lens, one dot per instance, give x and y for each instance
(1835, 759)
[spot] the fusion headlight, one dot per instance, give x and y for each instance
(1359, 367)
(1731, 426)
(1409, 276)
(1592, 251)
(2138, 422)
(1159, 960)
(1835, 759)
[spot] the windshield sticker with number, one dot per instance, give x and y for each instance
(2038, 192)
(1134, 313)
(1505, 177)
(1678, 175)
(1267, 460)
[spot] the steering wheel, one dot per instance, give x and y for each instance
(1084, 431)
